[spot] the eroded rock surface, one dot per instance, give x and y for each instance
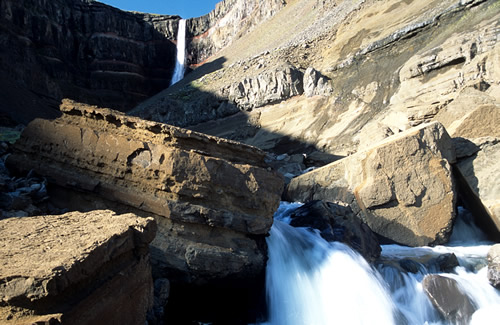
(191, 179)
(402, 188)
(76, 268)
(269, 87)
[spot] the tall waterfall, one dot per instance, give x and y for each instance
(181, 53)
(311, 281)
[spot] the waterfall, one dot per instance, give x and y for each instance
(311, 281)
(181, 53)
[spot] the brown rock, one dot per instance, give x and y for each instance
(402, 187)
(78, 268)
(187, 177)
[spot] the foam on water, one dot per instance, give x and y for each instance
(311, 281)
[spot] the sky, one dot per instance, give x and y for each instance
(183, 8)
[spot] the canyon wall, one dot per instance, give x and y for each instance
(97, 54)
(87, 51)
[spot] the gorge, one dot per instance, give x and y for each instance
(313, 155)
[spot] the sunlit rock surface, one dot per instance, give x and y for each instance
(402, 187)
(76, 268)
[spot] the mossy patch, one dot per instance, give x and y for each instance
(9, 134)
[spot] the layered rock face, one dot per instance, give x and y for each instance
(407, 175)
(76, 268)
(213, 198)
(268, 88)
(84, 50)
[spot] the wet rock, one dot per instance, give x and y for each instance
(448, 298)
(76, 268)
(494, 266)
(402, 187)
(338, 223)
(195, 185)
(446, 262)
(410, 265)
(161, 295)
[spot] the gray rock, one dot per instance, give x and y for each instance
(494, 266)
(316, 84)
(269, 87)
(448, 299)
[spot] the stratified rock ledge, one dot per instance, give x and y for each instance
(213, 198)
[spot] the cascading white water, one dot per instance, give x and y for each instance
(181, 53)
(311, 281)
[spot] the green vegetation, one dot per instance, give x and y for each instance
(9, 134)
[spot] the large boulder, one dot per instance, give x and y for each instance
(494, 266)
(203, 185)
(337, 222)
(402, 187)
(76, 268)
(477, 138)
(449, 300)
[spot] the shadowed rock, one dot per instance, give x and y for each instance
(338, 223)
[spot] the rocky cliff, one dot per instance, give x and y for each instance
(84, 50)
(230, 20)
(94, 53)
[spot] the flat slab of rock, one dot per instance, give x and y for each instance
(77, 267)
(169, 171)
(402, 187)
